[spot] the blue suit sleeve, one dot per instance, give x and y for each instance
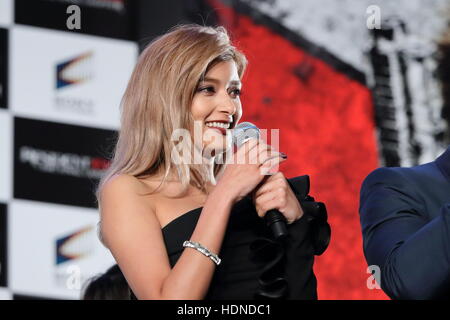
(411, 249)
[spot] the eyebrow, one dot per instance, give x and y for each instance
(218, 81)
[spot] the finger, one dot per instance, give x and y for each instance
(247, 147)
(278, 176)
(257, 155)
(260, 184)
(266, 179)
(271, 186)
(263, 153)
(270, 202)
(272, 156)
(270, 167)
(242, 151)
(263, 198)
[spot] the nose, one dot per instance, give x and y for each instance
(227, 105)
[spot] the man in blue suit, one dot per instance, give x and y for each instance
(405, 220)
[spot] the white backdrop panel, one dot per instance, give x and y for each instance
(100, 68)
(33, 231)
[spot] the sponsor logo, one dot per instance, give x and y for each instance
(62, 163)
(68, 159)
(76, 245)
(70, 249)
(74, 71)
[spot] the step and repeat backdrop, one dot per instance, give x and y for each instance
(59, 112)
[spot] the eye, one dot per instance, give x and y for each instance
(236, 92)
(206, 89)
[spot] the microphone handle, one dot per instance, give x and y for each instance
(277, 222)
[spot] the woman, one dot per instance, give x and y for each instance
(152, 200)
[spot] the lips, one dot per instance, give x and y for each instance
(230, 122)
(223, 131)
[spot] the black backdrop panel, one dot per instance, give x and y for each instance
(3, 246)
(3, 68)
(59, 163)
(109, 18)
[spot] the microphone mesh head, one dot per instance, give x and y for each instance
(243, 132)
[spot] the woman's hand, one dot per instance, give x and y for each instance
(247, 168)
(275, 193)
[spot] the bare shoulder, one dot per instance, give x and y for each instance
(123, 183)
(128, 187)
(124, 197)
(131, 231)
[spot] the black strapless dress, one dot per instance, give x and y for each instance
(254, 265)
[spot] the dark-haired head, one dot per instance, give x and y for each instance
(110, 285)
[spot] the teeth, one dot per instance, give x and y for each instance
(218, 124)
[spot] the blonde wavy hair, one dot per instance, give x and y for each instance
(158, 99)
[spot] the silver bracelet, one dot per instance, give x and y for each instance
(202, 249)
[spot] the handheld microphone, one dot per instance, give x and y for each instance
(273, 218)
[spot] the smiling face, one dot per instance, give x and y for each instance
(217, 99)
